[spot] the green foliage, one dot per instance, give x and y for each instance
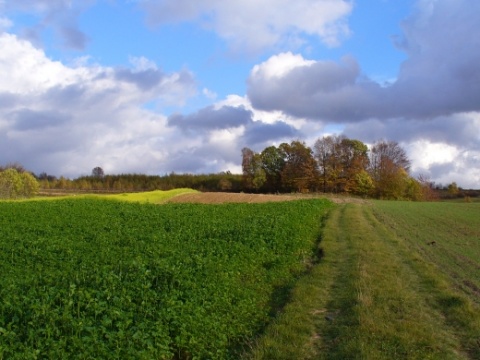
(142, 182)
(273, 162)
(15, 184)
(300, 170)
(453, 189)
(414, 190)
(364, 183)
(91, 278)
(290, 167)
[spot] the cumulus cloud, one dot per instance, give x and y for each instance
(433, 103)
(447, 164)
(254, 25)
(148, 78)
(5, 23)
(440, 77)
(66, 120)
(457, 129)
(313, 89)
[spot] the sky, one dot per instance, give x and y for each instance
(161, 86)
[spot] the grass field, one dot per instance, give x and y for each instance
(388, 280)
(398, 280)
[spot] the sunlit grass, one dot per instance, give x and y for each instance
(152, 197)
(378, 294)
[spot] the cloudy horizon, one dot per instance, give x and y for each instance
(160, 86)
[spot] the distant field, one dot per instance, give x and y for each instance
(89, 278)
(153, 197)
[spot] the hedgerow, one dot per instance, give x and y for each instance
(89, 278)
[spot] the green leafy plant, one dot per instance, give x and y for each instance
(90, 278)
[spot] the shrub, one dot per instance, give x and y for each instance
(14, 184)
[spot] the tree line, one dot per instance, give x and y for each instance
(99, 182)
(336, 164)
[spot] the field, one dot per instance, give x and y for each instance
(398, 280)
(252, 278)
(153, 197)
(91, 278)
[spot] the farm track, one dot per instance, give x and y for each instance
(385, 302)
(373, 295)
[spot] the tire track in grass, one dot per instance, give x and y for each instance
(293, 334)
(335, 326)
(369, 297)
(376, 309)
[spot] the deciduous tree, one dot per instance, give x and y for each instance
(364, 183)
(354, 160)
(389, 167)
(273, 162)
(300, 170)
(453, 189)
(98, 172)
(253, 174)
(325, 150)
(339, 161)
(15, 184)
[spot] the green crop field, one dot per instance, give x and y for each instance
(100, 279)
(94, 278)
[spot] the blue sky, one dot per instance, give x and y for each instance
(155, 86)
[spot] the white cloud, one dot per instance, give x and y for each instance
(440, 77)
(279, 65)
(424, 154)
(23, 75)
(66, 120)
(254, 25)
